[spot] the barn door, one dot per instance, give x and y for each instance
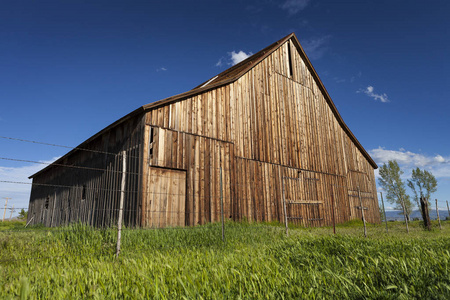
(303, 206)
(166, 197)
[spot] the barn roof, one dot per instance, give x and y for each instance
(237, 71)
(228, 76)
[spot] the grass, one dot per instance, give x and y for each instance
(257, 261)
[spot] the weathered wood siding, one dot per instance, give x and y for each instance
(273, 121)
(268, 138)
(87, 187)
(202, 158)
(166, 205)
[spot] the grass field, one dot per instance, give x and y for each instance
(257, 261)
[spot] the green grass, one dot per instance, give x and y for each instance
(257, 261)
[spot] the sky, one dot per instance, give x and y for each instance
(70, 68)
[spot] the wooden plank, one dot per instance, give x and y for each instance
(200, 211)
(197, 180)
(207, 185)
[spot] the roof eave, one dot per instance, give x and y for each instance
(80, 146)
(333, 107)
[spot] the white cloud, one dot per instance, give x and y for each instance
(19, 193)
(237, 57)
(161, 69)
(294, 6)
(233, 58)
(439, 158)
(316, 48)
(437, 164)
(369, 92)
(220, 62)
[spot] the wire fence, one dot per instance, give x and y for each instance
(202, 198)
(118, 155)
(78, 240)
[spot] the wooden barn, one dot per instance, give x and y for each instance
(261, 141)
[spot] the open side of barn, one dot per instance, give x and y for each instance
(260, 138)
(85, 184)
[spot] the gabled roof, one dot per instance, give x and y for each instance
(237, 71)
(229, 76)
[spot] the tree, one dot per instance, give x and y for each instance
(423, 184)
(390, 180)
(23, 214)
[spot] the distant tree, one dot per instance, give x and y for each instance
(390, 180)
(23, 214)
(423, 184)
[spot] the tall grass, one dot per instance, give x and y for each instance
(257, 261)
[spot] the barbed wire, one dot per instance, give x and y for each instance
(61, 146)
(67, 166)
(200, 169)
(122, 172)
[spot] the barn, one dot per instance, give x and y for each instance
(260, 142)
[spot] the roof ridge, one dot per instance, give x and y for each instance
(247, 61)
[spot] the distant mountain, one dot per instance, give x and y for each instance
(397, 215)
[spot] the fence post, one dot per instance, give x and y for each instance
(384, 212)
(122, 196)
(221, 206)
(12, 210)
(284, 207)
(4, 211)
(404, 214)
(332, 207)
(53, 211)
(425, 213)
(448, 210)
(362, 211)
(28, 223)
(439, 219)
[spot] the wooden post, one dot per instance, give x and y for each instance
(362, 212)
(221, 206)
(4, 211)
(404, 214)
(284, 207)
(12, 210)
(448, 210)
(332, 207)
(437, 212)
(425, 213)
(28, 223)
(53, 211)
(384, 212)
(122, 196)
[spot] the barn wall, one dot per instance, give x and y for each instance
(310, 196)
(89, 190)
(205, 162)
(276, 118)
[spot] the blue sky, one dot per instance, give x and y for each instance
(70, 68)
